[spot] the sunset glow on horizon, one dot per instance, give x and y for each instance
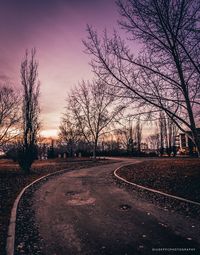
(56, 29)
(49, 133)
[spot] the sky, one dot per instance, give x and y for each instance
(56, 29)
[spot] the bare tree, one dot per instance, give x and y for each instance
(168, 134)
(9, 115)
(161, 133)
(69, 133)
(122, 135)
(27, 151)
(153, 142)
(166, 74)
(93, 108)
(138, 135)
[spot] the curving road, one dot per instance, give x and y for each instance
(85, 212)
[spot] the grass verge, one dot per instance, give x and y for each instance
(179, 177)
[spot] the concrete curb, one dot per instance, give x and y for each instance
(10, 243)
(153, 190)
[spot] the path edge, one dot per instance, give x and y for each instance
(10, 242)
(152, 190)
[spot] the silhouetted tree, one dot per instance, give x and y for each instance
(70, 133)
(93, 110)
(168, 132)
(153, 142)
(51, 151)
(27, 149)
(9, 115)
(123, 137)
(138, 135)
(166, 73)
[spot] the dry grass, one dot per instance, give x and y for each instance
(179, 177)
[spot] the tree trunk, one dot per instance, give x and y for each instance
(95, 149)
(94, 153)
(196, 140)
(193, 127)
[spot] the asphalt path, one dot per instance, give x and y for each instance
(85, 212)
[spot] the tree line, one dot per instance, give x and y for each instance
(161, 84)
(164, 76)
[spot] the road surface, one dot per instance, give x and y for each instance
(85, 212)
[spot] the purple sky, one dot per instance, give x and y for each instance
(55, 28)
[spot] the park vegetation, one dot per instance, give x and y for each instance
(158, 85)
(164, 76)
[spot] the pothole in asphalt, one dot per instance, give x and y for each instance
(82, 198)
(125, 207)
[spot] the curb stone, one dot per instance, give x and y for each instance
(10, 243)
(153, 190)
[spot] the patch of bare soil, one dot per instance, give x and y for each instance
(12, 181)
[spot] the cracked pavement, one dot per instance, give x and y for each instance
(86, 212)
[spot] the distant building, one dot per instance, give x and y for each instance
(186, 144)
(144, 147)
